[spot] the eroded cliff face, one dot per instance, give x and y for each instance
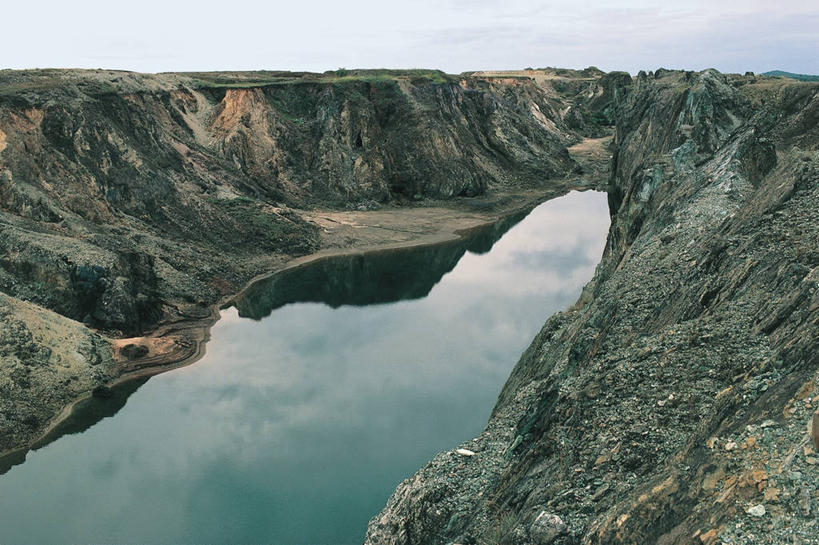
(131, 202)
(112, 184)
(673, 403)
(674, 399)
(47, 362)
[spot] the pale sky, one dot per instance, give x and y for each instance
(451, 35)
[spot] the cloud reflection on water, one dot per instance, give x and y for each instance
(295, 428)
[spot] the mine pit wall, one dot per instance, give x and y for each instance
(624, 415)
(701, 319)
(131, 203)
(117, 188)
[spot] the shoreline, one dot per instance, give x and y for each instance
(451, 222)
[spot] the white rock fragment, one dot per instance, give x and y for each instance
(546, 528)
(465, 452)
(756, 511)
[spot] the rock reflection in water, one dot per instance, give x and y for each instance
(86, 413)
(358, 279)
(368, 278)
(295, 428)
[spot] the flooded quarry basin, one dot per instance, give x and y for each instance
(322, 388)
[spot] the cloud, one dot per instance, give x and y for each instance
(637, 38)
(454, 35)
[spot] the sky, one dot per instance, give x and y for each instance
(451, 35)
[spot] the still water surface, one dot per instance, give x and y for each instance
(297, 425)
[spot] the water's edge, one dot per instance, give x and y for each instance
(198, 330)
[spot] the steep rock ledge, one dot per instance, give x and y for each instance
(130, 204)
(673, 403)
(125, 197)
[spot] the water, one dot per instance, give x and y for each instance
(298, 424)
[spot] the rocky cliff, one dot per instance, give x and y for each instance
(673, 403)
(116, 187)
(129, 202)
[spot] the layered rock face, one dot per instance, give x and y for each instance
(673, 403)
(122, 193)
(129, 202)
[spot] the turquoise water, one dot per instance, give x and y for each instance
(298, 424)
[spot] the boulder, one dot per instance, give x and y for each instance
(133, 351)
(546, 528)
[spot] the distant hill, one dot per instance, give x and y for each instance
(803, 77)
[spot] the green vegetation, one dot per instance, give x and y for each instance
(42, 81)
(12, 82)
(342, 75)
(502, 531)
(380, 74)
(800, 77)
(242, 80)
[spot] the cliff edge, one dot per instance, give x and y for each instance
(674, 403)
(132, 204)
